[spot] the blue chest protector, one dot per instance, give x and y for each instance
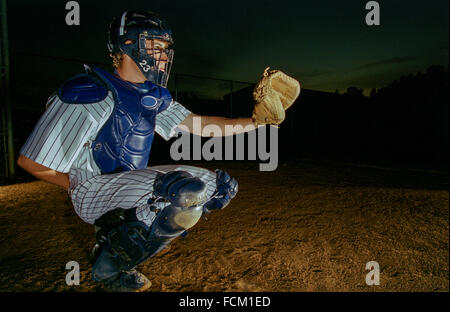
(125, 140)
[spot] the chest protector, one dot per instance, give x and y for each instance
(125, 140)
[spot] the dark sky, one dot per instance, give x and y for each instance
(326, 45)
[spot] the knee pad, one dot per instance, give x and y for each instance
(173, 221)
(186, 195)
(180, 188)
(226, 190)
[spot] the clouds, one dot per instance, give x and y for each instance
(326, 44)
(390, 61)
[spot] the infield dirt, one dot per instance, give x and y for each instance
(308, 226)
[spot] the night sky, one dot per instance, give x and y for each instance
(324, 44)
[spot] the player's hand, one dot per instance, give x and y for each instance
(227, 188)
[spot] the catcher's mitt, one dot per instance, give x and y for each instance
(273, 94)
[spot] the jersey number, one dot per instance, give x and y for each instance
(145, 66)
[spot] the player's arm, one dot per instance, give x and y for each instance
(228, 126)
(43, 173)
(176, 117)
(57, 140)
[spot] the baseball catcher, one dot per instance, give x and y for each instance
(95, 138)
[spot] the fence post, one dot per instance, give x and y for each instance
(7, 89)
(231, 98)
(176, 87)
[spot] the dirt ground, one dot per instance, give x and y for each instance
(308, 226)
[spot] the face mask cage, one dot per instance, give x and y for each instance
(155, 63)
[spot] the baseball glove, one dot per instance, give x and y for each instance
(273, 94)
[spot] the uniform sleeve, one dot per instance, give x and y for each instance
(59, 135)
(169, 119)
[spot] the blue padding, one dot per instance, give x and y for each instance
(226, 190)
(82, 89)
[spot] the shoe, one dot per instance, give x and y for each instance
(129, 281)
(164, 250)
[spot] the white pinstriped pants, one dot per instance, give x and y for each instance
(102, 193)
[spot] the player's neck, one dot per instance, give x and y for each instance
(129, 71)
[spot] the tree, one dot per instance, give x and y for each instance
(354, 91)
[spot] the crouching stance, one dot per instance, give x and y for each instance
(130, 242)
(95, 138)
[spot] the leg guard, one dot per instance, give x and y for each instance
(133, 242)
(124, 248)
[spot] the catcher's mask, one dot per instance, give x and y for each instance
(129, 34)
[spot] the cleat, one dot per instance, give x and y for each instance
(129, 281)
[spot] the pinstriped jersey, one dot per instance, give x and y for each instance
(61, 140)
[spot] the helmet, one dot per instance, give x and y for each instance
(129, 33)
